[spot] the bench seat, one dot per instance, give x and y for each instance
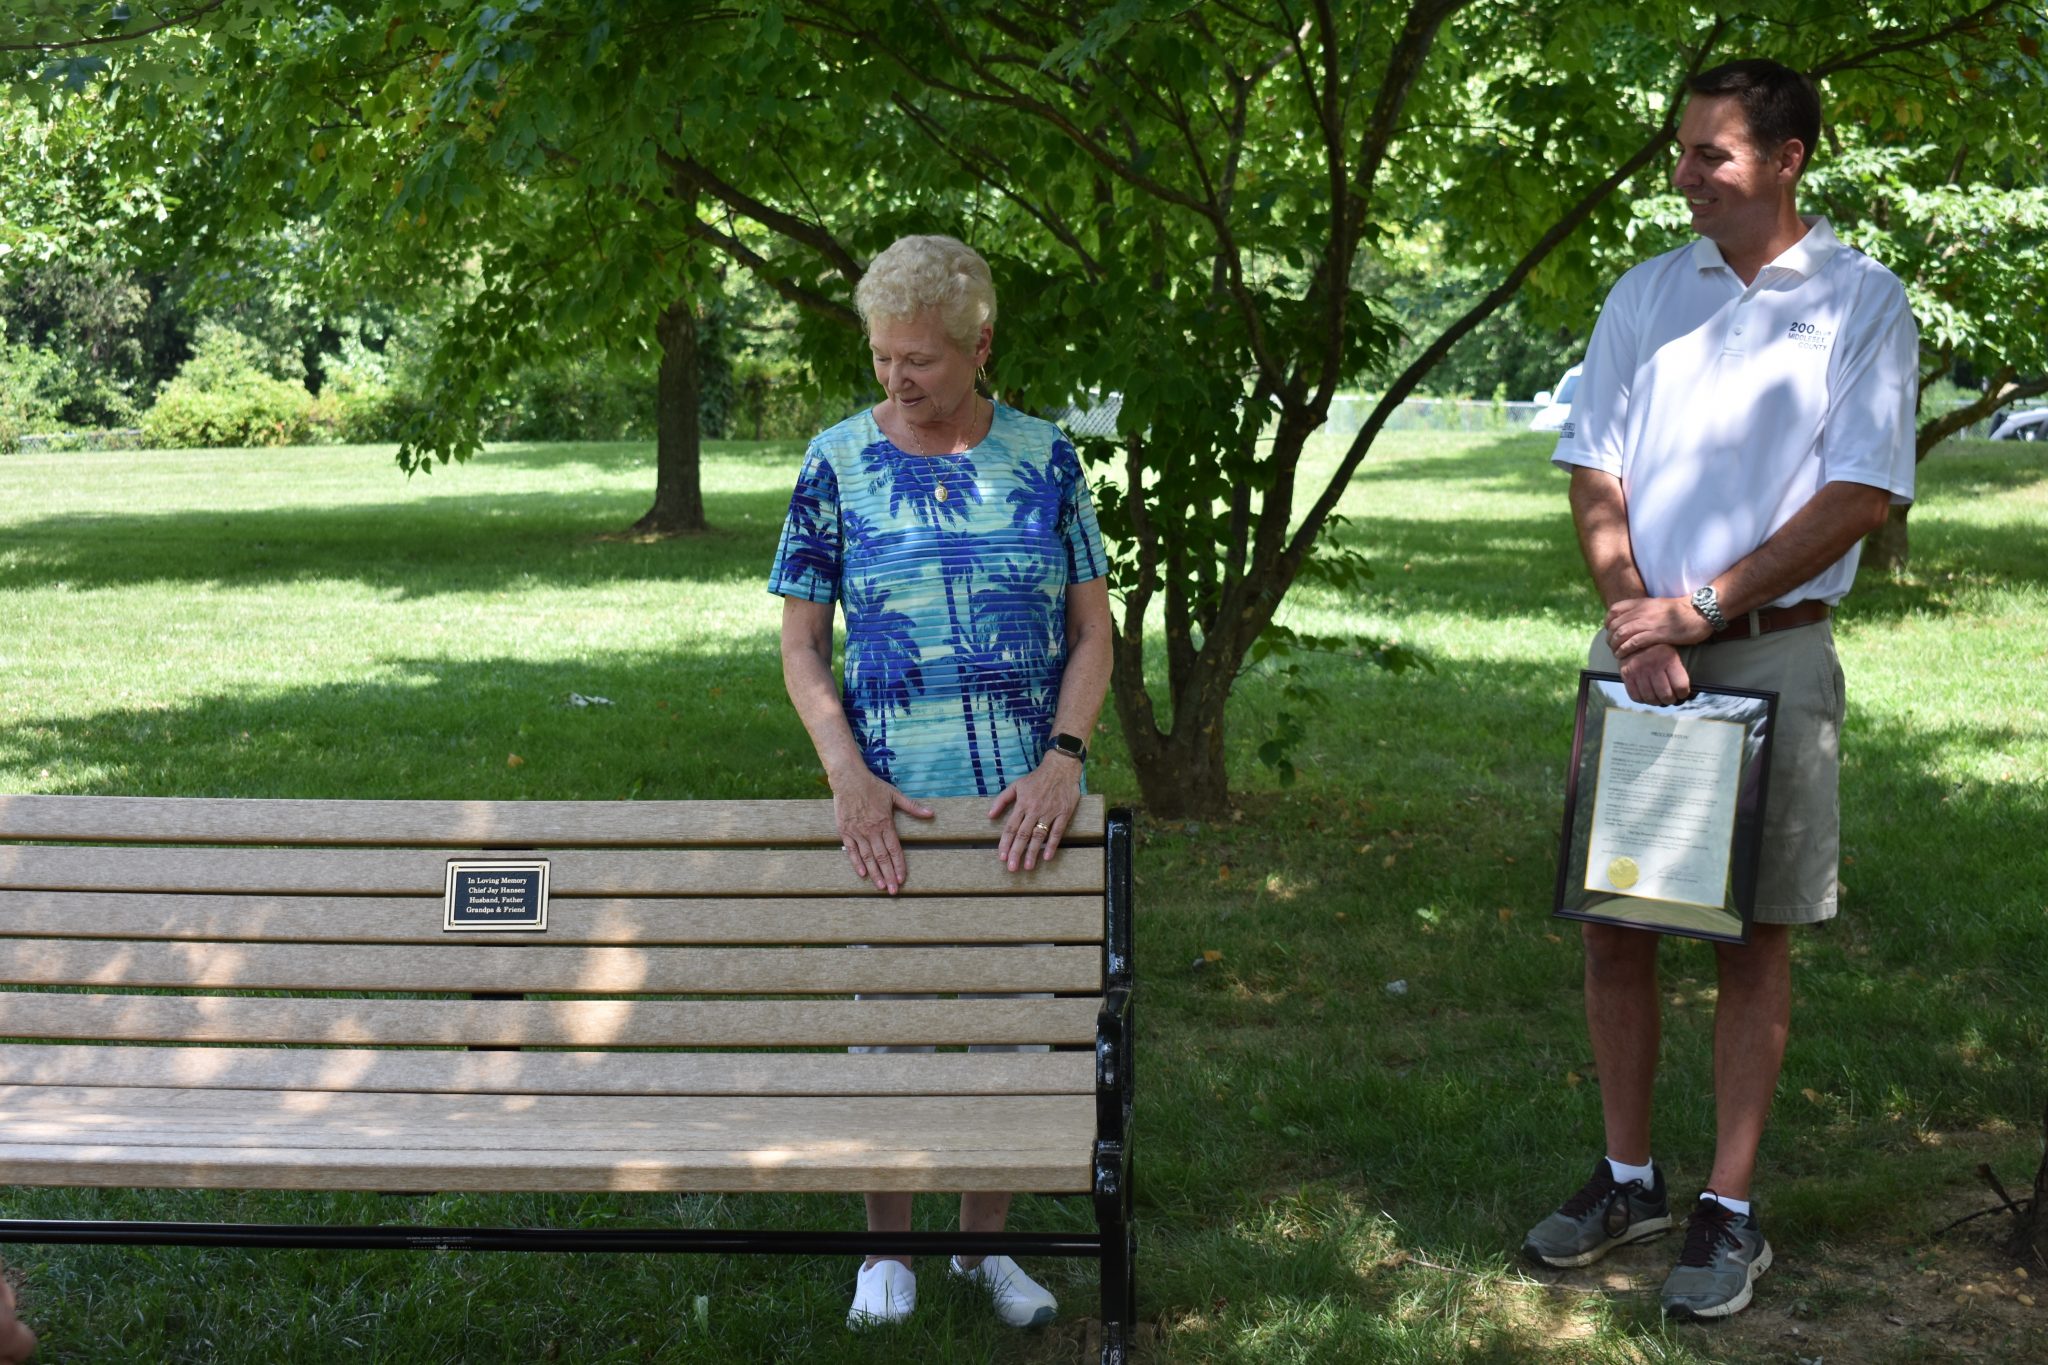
(325, 1140)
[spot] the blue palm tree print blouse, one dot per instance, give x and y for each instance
(953, 572)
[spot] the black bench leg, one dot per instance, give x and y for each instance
(1119, 1252)
(1119, 1293)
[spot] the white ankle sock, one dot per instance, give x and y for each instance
(1623, 1172)
(1740, 1206)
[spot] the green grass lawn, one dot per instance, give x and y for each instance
(1330, 1170)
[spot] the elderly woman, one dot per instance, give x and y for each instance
(959, 538)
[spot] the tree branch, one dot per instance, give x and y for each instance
(1007, 96)
(1997, 394)
(975, 167)
(1404, 68)
(172, 22)
(821, 304)
(1901, 40)
(1304, 537)
(775, 220)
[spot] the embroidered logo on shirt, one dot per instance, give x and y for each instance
(1810, 336)
(1565, 432)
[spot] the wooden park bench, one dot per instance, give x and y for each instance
(256, 994)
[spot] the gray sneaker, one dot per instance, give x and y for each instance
(1724, 1253)
(1596, 1220)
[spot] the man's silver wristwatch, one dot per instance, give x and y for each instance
(1707, 603)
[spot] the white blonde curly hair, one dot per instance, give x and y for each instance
(916, 273)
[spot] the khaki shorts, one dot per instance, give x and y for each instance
(1802, 806)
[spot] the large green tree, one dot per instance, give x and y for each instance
(1184, 205)
(422, 153)
(1184, 201)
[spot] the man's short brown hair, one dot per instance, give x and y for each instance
(1778, 103)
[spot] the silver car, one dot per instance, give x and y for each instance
(1557, 407)
(2031, 425)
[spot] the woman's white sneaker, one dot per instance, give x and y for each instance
(883, 1293)
(1020, 1300)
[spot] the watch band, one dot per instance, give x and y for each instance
(1707, 603)
(1069, 745)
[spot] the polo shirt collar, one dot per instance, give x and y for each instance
(1804, 257)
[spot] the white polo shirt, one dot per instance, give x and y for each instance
(1723, 409)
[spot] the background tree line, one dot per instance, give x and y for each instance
(1228, 215)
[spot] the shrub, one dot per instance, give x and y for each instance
(579, 398)
(369, 393)
(30, 388)
(223, 396)
(772, 400)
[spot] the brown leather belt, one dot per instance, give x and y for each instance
(1767, 619)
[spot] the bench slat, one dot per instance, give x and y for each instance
(491, 1171)
(545, 1023)
(296, 1140)
(417, 919)
(364, 1070)
(571, 872)
(517, 823)
(467, 965)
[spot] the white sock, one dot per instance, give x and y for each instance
(1740, 1206)
(1623, 1172)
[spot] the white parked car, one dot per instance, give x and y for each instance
(2031, 425)
(1556, 407)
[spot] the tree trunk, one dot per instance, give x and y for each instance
(1181, 773)
(2030, 1241)
(1184, 778)
(678, 494)
(1886, 548)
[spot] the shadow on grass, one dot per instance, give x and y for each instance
(1510, 463)
(1391, 1012)
(421, 548)
(1500, 567)
(614, 455)
(439, 728)
(1949, 557)
(1506, 567)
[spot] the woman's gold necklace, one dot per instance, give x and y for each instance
(938, 485)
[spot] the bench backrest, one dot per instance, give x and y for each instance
(305, 940)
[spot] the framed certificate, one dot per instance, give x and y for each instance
(1664, 808)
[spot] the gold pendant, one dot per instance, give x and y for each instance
(939, 492)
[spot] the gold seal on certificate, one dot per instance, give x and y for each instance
(1621, 873)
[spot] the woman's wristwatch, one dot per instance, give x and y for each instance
(1068, 745)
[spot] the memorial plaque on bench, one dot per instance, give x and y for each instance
(497, 896)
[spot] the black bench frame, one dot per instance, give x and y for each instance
(1114, 1243)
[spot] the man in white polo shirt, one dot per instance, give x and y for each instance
(1744, 419)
